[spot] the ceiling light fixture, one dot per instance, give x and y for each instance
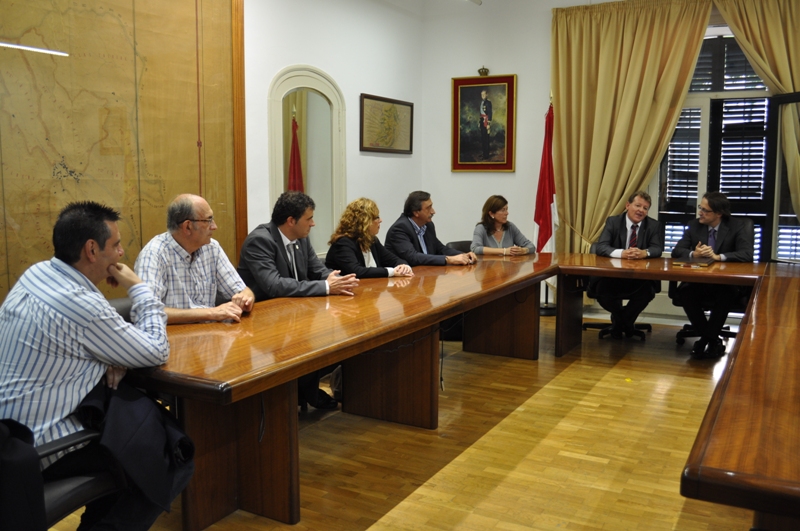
(478, 2)
(32, 49)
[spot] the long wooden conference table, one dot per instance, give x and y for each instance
(237, 396)
(235, 382)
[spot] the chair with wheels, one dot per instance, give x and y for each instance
(605, 328)
(688, 331)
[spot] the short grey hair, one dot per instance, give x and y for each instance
(179, 210)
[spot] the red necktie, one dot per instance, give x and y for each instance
(633, 236)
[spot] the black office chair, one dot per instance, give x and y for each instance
(688, 331)
(452, 329)
(460, 245)
(605, 327)
(62, 497)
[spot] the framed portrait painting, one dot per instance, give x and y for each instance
(386, 125)
(484, 120)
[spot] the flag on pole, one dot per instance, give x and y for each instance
(295, 169)
(546, 214)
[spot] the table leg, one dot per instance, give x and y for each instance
(508, 326)
(233, 468)
(269, 454)
(211, 494)
(569, 313)
(398, 381)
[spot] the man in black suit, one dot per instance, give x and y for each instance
(413, 237)
(631, 235)
(716, 235)
(277, 260)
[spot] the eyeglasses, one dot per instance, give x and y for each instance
(209, 220)
(705, 210)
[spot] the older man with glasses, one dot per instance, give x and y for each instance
(717, 236)
(187, 269)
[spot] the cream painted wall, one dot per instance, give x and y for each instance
(407, 50)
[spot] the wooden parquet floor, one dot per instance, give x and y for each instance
(595, 440)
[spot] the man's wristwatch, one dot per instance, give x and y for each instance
(648, 253)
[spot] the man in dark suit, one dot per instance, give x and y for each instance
(631, 235)
(413, 236)
(716, 235)
(277, 260)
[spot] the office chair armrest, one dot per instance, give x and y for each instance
(69, 441)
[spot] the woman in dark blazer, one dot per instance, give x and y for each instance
(356, 249)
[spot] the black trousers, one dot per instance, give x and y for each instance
(612, 292)
(718, 298)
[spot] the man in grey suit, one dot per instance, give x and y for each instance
(631, 235)
(716, 235)
(277, 260)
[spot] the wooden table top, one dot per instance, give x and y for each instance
(660, 269)
(282, 339)
(746, 451)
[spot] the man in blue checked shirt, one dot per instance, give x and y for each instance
(60, 338)
(188, 269)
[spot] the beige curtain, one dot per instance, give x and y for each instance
(295, 104)
(768, 32)
(619, 72)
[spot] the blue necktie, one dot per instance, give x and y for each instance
(712, 238)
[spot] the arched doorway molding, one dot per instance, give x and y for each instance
(293, 78)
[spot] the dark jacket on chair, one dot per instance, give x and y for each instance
(144, 439)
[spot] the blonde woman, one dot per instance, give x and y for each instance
(494, 234)
(355, 247)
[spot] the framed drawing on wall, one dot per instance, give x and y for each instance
(484, 119)
(386, 125)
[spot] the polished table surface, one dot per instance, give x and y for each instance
(282, 339)
(745, 452)
(235, 382)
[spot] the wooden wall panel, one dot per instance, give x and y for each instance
(140, 111)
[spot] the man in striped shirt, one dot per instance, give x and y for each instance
(187, 268)
(59, 338)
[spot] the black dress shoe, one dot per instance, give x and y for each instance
(632, 332)
(324, 401)
(699, 347)
(715, 350)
